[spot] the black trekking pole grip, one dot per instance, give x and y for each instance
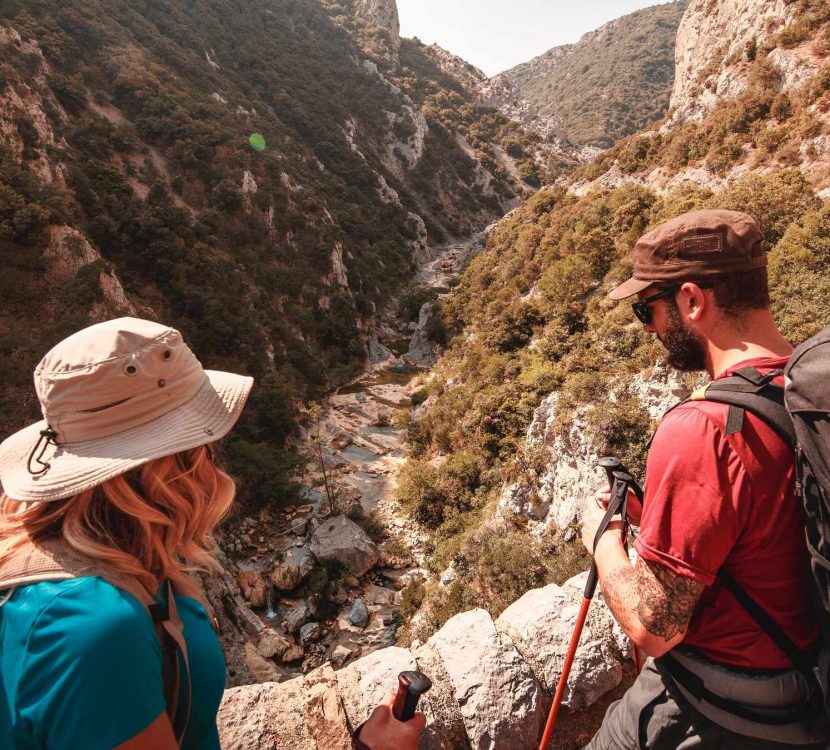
(610, 464)
(411, 686)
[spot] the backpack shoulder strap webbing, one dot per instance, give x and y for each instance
(55, 560)
(748, 390)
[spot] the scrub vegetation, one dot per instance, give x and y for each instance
(530, 317)
(614, 82)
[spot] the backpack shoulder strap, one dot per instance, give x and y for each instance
(55, 560)
(748, 390)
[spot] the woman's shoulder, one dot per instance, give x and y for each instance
(89, 611)
(87, 650)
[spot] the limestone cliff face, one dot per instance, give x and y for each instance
(68, 256)
(555, 498)
(763, 62)
(499, 92)
(716, 43)
(382, 15)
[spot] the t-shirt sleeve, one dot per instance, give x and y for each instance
(695, 488)
(91, 677)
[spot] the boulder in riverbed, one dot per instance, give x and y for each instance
(271, 643)
(295, 565)
(359, 614)
(309, 633)
(341, 539)
(296, 617)
(253, 587)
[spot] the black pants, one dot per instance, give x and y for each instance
(653, 714)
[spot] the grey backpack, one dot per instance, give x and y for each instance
(808, 403)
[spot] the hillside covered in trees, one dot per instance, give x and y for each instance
(613, 82)
(530, 319)
(262, 176)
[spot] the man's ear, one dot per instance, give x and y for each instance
(692, 301)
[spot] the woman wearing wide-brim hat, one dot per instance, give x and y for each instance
(107, 508)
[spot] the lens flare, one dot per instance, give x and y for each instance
(257, 141)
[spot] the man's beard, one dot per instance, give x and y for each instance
(686, 352)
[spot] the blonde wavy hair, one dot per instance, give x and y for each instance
(154, 522)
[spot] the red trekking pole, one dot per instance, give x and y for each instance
(619, 486)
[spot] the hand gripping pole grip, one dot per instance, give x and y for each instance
(613, 468)
(411, 686)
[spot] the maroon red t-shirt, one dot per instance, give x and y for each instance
(714, 500)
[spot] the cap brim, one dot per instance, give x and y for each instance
(629, 288)
(76, 467)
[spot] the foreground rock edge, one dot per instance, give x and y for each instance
(493, 680)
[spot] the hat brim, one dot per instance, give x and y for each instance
(75, 467)
(629, 288)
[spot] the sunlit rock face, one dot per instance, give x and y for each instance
(716, 43)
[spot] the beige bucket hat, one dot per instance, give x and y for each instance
(114, 396)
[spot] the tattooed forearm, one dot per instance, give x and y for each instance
(662, 601)
(666, 600)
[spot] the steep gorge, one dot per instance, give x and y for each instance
(131, 188)
(255, 177)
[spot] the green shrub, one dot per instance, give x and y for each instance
(370, 522)
(800, 285)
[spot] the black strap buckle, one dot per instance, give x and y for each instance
(755, 377)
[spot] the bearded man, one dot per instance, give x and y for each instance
(717, 500)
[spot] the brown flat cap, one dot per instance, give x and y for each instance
(695, 245)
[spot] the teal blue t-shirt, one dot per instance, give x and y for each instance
(80, 667)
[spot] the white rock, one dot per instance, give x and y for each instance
(541, 624)
(571, 475)
(340, 654)
(711, 33)
(271, 643)
(422, 351)
(255, 717)
(495, 688)
(261, 669)
(365, 682)
(295, 565)
(296, 617)
(374, 594)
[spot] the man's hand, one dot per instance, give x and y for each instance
(592, 516)
(382, 731)
(591, 520)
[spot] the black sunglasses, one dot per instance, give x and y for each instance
(641, 307)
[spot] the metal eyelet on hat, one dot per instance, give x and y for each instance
(131, 369)
(162, 382)
(167, 354)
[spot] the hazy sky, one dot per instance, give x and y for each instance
(495, 35)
